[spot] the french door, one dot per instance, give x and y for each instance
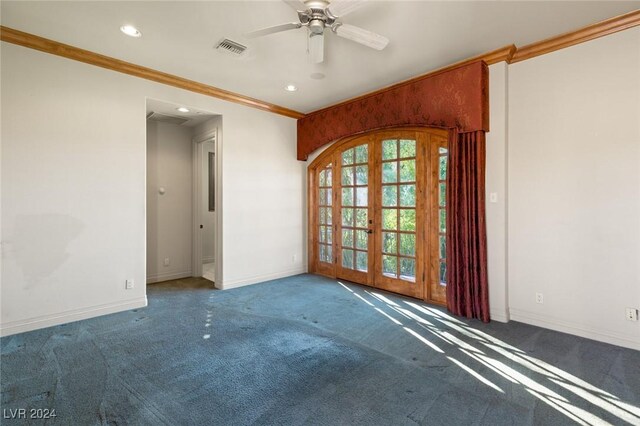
(377, 212)
(401, 218)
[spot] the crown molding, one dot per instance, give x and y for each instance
(31, 41)
(509, 54)
(600, 29)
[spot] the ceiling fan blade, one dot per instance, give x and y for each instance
(340, 8)
(297, 5)
(316, 47)
(274, 29)
(362, 36)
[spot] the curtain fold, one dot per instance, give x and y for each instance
(467, 283)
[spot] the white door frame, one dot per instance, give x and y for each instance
(197, 205)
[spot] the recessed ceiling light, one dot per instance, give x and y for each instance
(290, 88)
(131, 31)
(183, 109)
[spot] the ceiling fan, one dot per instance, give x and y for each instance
(318, 15)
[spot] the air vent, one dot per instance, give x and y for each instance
(156, 116)
(231, 46)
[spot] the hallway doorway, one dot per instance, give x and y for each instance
(182, 192)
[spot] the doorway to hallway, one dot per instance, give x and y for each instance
(183, 199)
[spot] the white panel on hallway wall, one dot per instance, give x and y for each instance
(207, 138)
(73, 189)
(574, 188)
(169, 221)
(208, 217)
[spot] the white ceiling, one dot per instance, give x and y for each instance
(194, 116)
(179, 38)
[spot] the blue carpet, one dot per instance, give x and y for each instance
(309, 350)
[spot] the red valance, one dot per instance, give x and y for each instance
(457, 98)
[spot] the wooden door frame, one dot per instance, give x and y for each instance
(329, 156)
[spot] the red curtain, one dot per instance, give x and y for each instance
(467, 284)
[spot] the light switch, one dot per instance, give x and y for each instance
(493, 197)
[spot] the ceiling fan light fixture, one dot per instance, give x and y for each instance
(316, 26)
(316, 48)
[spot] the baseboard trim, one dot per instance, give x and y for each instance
(226, 285)
(70, 316)
(533, 318)
(208, 260)
(158, 278)
(499, 315)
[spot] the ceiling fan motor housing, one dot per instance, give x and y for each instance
(316, 18)
(316, 26)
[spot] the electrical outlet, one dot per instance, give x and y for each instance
(167, 261)
(539, 298)
(128, 284)
(293, 258)
(632, 314)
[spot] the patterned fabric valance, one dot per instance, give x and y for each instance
(457, 98)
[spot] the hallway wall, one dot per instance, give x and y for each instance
(169, 218)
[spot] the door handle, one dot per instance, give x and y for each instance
(369, 231)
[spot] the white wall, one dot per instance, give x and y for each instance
(574, 188)
(496, 184)
(267, 197)
(73, 188)
(169, 215)
(203, 130)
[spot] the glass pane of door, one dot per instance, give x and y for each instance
(442, 215)
(325, 215)
(398, 248)
(354, 234)
(438, 245)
